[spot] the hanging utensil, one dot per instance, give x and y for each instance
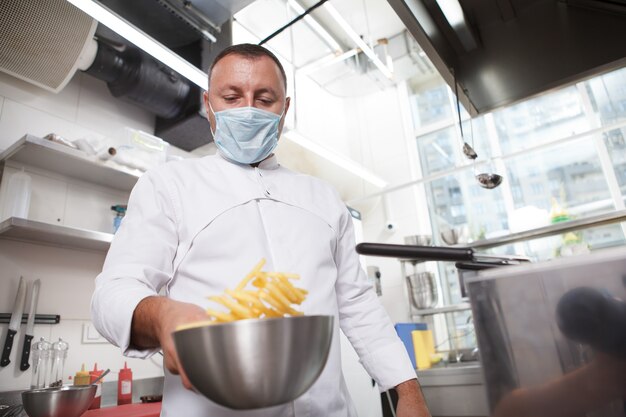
(489, 181)
(14, 324)
(468, 150)
(30, 325)
(485, 179)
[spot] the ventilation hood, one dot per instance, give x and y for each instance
(504, 51)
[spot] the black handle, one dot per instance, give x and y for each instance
(8, 345)
(594, 317)
(24, 365)
(426, 253)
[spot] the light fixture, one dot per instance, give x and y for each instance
(453, 12)
(326, 61)
(142, 41)
(358, 41)
(343, 162)
(319, 29)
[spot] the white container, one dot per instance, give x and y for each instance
(17, 198)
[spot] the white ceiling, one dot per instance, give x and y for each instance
(300, 45)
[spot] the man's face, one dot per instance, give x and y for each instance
(237, 81)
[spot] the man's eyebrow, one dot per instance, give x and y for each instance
(233, 88)
(266, 90)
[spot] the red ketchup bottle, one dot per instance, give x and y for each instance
(93, 375)
(125, 386)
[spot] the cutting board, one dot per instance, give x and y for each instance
(129, 410)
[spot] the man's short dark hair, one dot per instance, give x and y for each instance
(250, 51)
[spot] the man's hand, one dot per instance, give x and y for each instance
(154, 320)
(411, 402)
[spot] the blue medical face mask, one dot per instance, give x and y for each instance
(246, 134)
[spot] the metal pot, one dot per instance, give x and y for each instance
(422, 290)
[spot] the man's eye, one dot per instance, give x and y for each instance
(230, 99)
(266, 101)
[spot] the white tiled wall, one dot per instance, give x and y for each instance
(67, 282)
(84, 109)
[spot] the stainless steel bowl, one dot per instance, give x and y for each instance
(255, 363)
(69, 401)
(422, 290)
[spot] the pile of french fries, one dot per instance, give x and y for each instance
(272, 295)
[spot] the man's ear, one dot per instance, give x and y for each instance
(205, 101)
(287, 103)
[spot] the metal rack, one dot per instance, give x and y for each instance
(73, 163)
(16, 228)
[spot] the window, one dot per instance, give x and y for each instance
(551, 149)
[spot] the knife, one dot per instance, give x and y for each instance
(30, 324)
(14, 324)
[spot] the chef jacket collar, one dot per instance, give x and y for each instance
(271, 162)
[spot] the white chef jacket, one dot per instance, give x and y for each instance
(197, 227)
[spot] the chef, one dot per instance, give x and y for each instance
(196, 227)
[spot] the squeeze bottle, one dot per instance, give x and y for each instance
(125, 386)
(93, 375)
(81, 377)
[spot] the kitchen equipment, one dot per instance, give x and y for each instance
(14, 410)
(421, 240)
(255, 363)
(468, 151)
(489, 180)
(58, 354)
(41, 355)
(30, 324)
(67, 401)
(450, 236)
(536, 324)
(14, 324)
(485, 180)
(422, 290)
(426, 253)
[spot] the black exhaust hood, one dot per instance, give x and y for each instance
(504, 51)
(195, 31)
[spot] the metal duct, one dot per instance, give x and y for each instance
(135, 76)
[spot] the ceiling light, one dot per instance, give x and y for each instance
(343, 162)
(142, 41)
(357, 39)
(319, 29)
(453, 13)
(326, 62)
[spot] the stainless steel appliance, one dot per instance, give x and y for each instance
(552, 336)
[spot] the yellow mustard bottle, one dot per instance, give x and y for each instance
(82, 377)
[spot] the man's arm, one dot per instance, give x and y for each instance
(411, 401)
(154, 320)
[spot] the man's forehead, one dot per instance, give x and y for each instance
(234, 69)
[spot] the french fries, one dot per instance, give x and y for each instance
(272, 295)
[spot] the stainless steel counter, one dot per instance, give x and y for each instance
(455, 390)
(554, 330)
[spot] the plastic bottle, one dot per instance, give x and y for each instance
(18, 193)
(81, 377)
(125, 386)
(120, 212)
(93, 375)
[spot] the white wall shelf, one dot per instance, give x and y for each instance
(74, 163)
(16, 228)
